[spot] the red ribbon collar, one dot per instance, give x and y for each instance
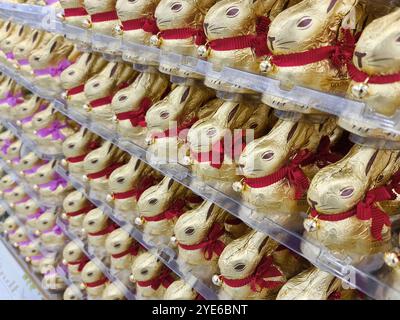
(144, 184)
(92, 145)
(257, 42)
(75, 12)
(97, 283)
(184, 33)
(104, 16)
(175, 210)
(257, 281)
(340, 54)
(210, 245)
(218, 151)
(360, 76)
(80, 263)
(110, 228)
(101, 102)
(365, 210)
(75, 90)
(146, 24)
(106, 172)
(165, 279)
(132, 250)
(137, 117)
(82, 211)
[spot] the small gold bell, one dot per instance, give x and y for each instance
(85, 178)
(131, 278)
(35, 187)
(391, 259)
(15, 244)
(83, 231)
(64, 216)
(8, 161)
(310, 224)
(187, 161)
(12, 205)
(21, 173)
(149, 140)
(34, 132)
(217, 280)
(82, 286)
(360, 90)
(87, 107)
(37, 232)
(64, 95)
(109, 198)
(19, 123)
(266, 65)
(174, 241)
(117, 30)
(155, 40)
(60, 16)
(238, 186)
(139, 221)
(64, 163)
(114, 118)
(64, 262)
(203, 51)
(28, 259)
(87, 24)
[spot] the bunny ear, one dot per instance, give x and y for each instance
(35, 36)
(84, 131)
(89, 58)
(21, 30)
(332, 4)
(113, 70)
(170, 183)
(185, 95)
(110, 148)
(233, 113)
(210, 210)
(53, 163)
(137, 164)
(292, 132)
(53, 46)
(370, 162)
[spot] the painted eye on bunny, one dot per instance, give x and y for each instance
(41, 175)
(71, 146)
(144, 271)
(239, 267)
(268, 155)
(117, 245)
(24, 109)
(398, 39)
(164, 115)
(91, 223)
(189, 231)
(176, 6)
(95, 85)
(120, 180)
(153, 201)
(94, 161)
(211, 132)
(304, 23)
(346, 192)
(232, 12)
(122, 98)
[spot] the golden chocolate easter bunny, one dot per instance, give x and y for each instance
(20, 234)
(49, 60)
(23, 112)
(152, 278)
(9, 226)
(375, 74)
(169, 120)
(74, 259)
(93, 281)
(236, 33)
(159, 206)
(181, 31)
(103, 16)
(310, 43)
(31, 250)
(201, 237)
(74, 77)
(51, 235)
(100, 89)
(180, 290)
(7, 56)
(74, 12)
(76, 147)
(7, 184)
(131, 104)
(73, 293)
(27, 211)
(216, 142)
(76, 206)
(138, 24)
(29, 163)
(6, 29)
(52, 280)
(15, 196)
(12, 155)
(11, 94)
(268, 165)
(248, 270)
(127, 184)
(346, 215)
(100, 163)
(123, 251)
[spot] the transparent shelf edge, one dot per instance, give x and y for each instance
(164, 253)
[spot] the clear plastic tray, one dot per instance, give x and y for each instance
(164, 252)
(47, 19)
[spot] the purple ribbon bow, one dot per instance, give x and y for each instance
(23, 62)
(35, 215)
(29, 119)
(23, 200)
(24, 243)
(8, 190)
(54, 71)
(53, 130)
(10, 55)
(56, 229)
(53, 185)
(36, 258)
(5, 146)
(14, 100)
(8, 95)
(16, 160)
(50, 2)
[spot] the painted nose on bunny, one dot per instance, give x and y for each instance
(360, 56)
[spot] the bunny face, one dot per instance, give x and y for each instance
(156, 199)
(75, 201)
(100, 158)
(51, 53)
(28, 161)
(146, 266)
(378, 49)
(46, 221)
(240, 258)
(118, 241)
(194, 225)
(78, 143)
(23, 49)
(101, 84)
(126, 177)
(8, 85)
(17, 194)
(31, 249)
(10, 224)
(7, 45)
(28, 107)
(72, 252)
(95, 220)
(44, 173)
(14, 150)
(27, 208)
(135, 9)
(19, 235)
(310, 22)
(44, 118)
(72, 293)
(6, 182)
(179, 290)
(7, 29)
(95, 6)
(91, 273)
(171, 14)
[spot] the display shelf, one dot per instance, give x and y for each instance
(361, 278)
(46, 18)
(129, 295)
(165, 253)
